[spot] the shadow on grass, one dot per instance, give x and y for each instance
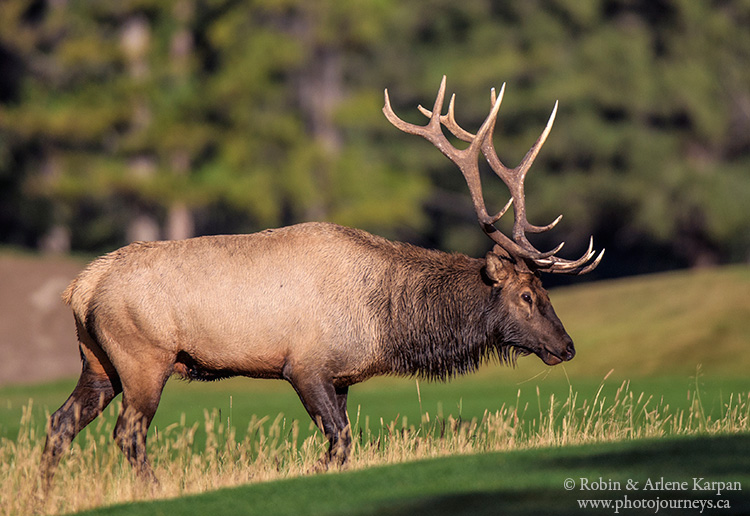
(530, 482)
(695, 467)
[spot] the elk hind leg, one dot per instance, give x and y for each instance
(97, 386)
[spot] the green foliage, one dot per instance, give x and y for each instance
(269, 111)
(202, 104)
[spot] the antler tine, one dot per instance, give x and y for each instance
(558, 263)
(574, 267)
(527, 160)
(523, 168)
(514, 180)
(546, 262)
(555, 264)
(465, 159)
(467, 162)
(508, 175)
(449, 122)
(431, 132)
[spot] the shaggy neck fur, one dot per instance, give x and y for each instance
(441, 319)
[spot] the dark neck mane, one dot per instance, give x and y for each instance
(438, 318)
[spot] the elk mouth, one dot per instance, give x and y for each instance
(512, 352)
(547, 356)
(551, 358)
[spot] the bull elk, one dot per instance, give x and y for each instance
(318, 305)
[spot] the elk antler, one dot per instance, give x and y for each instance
(467, 161)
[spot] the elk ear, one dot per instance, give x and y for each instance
(498, 265)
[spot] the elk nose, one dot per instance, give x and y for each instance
(570, 351)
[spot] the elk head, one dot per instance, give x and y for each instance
(514, 264)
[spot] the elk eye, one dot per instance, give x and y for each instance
(527, 297)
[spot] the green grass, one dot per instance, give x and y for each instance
(387, 399)
(522, 482)
(714, 447)
(94, 474)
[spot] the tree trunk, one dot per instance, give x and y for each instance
(56, 240)
(180, 223)
(143, 226)
(320, 91)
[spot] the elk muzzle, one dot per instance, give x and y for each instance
(562, 351)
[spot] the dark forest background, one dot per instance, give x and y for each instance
(146, 119)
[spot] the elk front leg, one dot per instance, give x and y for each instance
(338, 451)
(140, 399)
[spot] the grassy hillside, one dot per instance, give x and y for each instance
(660, 324)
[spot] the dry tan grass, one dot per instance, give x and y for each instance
(94, 473)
